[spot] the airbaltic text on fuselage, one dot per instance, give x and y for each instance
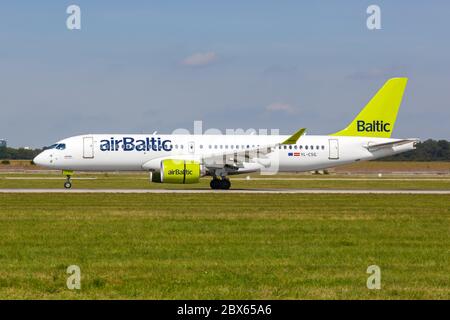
(131, 144)
(374, 126)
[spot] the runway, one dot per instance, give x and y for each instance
(246, 179)
(232, 191)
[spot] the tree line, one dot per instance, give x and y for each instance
(7, 153)
(428, 150)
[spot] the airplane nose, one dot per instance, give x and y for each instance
(39, 159)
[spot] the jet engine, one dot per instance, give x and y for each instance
(178, 171)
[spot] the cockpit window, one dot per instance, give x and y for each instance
(53, 146)
(61, 146)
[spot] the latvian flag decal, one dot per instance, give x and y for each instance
(294, 154)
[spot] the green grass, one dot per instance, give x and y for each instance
(163, 246)
(141, 181)
(361, 166)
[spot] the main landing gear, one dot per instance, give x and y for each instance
(222, 183)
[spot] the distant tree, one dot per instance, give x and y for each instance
(428, 150)
(2, 152)
(18, 154)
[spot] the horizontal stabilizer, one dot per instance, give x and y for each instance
(377, 146)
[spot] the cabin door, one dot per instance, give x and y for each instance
(334, 149)
(88, 147)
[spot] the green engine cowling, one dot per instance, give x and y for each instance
(178, 171)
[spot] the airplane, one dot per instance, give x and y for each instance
(184, 159)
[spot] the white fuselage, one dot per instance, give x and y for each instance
(130, 152)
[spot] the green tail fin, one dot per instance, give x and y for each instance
(377, 119)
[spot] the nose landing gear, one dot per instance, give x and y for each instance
(68, 183)
(220, 183)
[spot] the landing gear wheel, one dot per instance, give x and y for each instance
(214, 184)
(225, 184)
(68, 183)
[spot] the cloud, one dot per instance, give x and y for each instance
(200, 59)
(281, 107)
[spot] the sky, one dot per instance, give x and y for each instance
(145, 66)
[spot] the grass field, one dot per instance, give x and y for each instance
(224, 246)
(141, 181)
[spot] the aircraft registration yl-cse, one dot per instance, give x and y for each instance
(183, 159)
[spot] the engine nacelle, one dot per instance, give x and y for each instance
(178, 171)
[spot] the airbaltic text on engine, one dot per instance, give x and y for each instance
(180, 172)
(131, 144)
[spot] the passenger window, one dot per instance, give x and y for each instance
(301, 147)
(306, 147)
(295, 147)
(323, 147)
(201, 146)
(317, 147)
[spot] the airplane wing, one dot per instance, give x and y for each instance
(230, 161)
(294, 138)
(377, 146)
(235, 160)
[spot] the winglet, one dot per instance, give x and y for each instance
(293, 139)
